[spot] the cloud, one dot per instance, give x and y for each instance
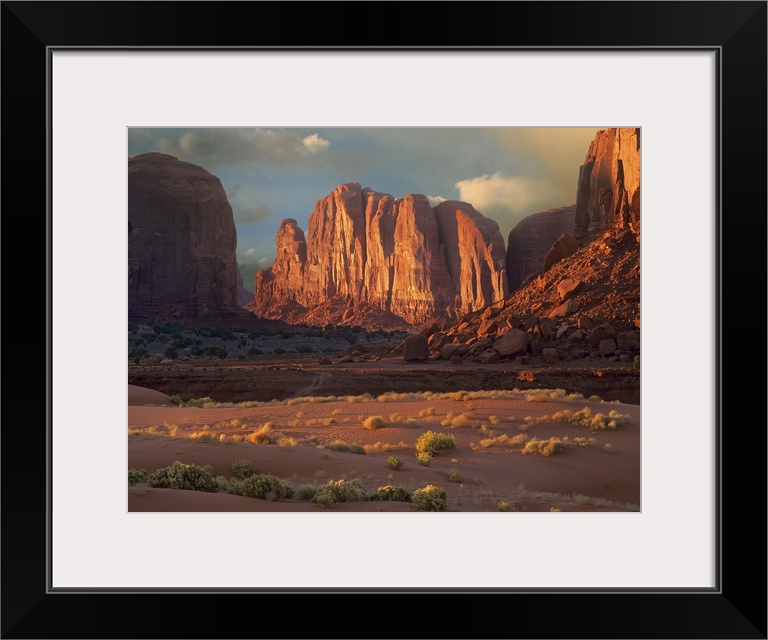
(435, 200)
(250, 211)
(509, 199)
(252, 150)
(315, 143)
(558, 152)
(250, 252)
(247, 207)
(265, 261)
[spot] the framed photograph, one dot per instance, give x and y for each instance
(93, 84)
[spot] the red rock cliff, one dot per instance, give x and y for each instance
(181, 240)
(608, 195)
(398, 255)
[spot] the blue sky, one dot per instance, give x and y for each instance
(273, 174)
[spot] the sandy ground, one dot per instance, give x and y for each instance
(604, 467)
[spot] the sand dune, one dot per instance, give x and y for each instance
(603, 466)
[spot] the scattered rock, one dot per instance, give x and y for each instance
(565, 309)
(628, 340)
(561, 331)
(415, 348)
(550, 355)
(563, 247)
(487, 327)
(455, 349)
(569, 288)
(512, 343)
(585, 322)
(325, 360)
(488, 357)
(606, 347)
(457, 360)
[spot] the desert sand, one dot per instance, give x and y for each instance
(595, 470)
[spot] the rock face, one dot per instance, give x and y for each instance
(365, 249)
(181, 240)
(531, 238)
(608, 195)
(561, 248)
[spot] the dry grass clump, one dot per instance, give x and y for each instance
(344, 447)
(463, 420)
(263, 435)
(583, 417)
(425, 413)
(502, 440)
(374, 422)
(319, 422)
(385, 447)
(543, 447)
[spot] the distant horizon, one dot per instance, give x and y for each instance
(270, 174)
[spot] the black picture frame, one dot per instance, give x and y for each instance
(736, 608)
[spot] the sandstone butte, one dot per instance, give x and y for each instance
(608, 194)
(181, 241)
(400, 255)
(531, 239)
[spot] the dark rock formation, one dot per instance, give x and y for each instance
(181, 241)
(530, 240)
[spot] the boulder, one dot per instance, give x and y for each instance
(513, 342)
(487, 327)
(565, 309)
(562, 248)
(606, 347)
(415, 348)
(569, 288)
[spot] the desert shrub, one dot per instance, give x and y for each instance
(424, 458)
(429, 498)
(243, 468)
(347, 448)
(636, 362)
(429, 411)
(308, 491)
(543, 447)
(171, 352)
(431, 442)
(454, 477)
(395, 463)
(229, 486)
(505, 506)
(138, 476)
(157, 358)
(176, 399)
(304, 348)
(374, 422)
(265, 486)
(199, 402)
(278, 351)
(184, 476)
(138, 352)
(398, 494)
(341, 491)
(217, 352)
